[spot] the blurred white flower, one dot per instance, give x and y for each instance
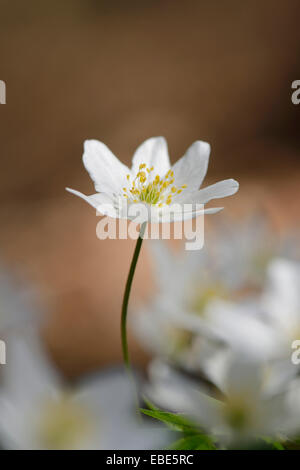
(173, 340)
(266, 328)
(281, 303)
(171, 323)
(38, 410)
(240, 252)
(293, 401)
(242, 327)
(210, 300)
(152, 181)
(192, 312)
(248, 408)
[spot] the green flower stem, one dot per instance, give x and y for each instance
(127, 295)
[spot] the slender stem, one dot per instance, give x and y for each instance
(127, 294)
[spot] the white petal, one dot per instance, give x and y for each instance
(281, 300)
(246, 334)
(173, 391)
(218, 190)
(29, 374)
(101, 396)
(245, 377)
(191, 168)
(213, 210)
(103, 203)
(101, 391)
(284, 280)
(107, 172)
(153, 152)
(167, 215)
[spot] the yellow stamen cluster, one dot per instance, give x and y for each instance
(151, 190)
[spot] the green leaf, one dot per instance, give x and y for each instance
(193, 438)
(275, 445)
(278, 446)
(150, 405)
(194, 442)
(174, 421)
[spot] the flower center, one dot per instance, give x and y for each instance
(237, 418)
(63, 425)
(152, 190)
(204, 296)
(179, 340)
(238, 414)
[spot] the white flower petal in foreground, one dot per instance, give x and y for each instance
(281, 303)
(38, 410)
(246, 411)
(172, 193)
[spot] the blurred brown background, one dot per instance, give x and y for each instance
(122, 71)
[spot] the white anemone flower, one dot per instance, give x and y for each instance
(171, 192)
(246, 410)
(39, 412)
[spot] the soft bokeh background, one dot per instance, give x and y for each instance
(121, 72)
